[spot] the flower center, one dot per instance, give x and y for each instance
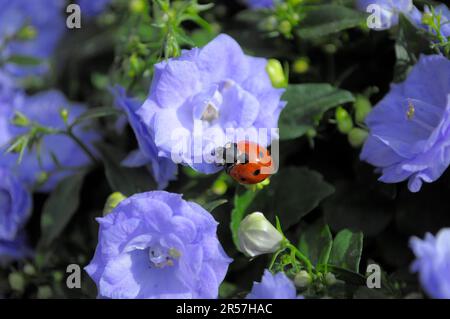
(211, 113)
(160, 257)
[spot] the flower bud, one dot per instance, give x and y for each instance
(302, 279)
(427, 18)
(357, 136)
(276, 73)
(28, 32)
(258, 236)
(138, 6)
(113, 200)
(20, 120)
(219, 187)
(330, 279)
(362, 108)
(344, 120)
(64, 113)
(301, 65)
(16, 281)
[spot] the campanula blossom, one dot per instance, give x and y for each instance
(207, 97)
(58, 155)
(163, 169)
(409, 135)
(157, 245)
(433, 263)
(44, 20)
(388, 11)
(277, 286)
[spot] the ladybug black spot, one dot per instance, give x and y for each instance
(256, 172)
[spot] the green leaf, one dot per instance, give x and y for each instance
(227, 290)
(24, 60)
(96, 112)
(214, 204)
(349, 276)
(241, 204)
(347, 249)
(305, 102)
(316, 242)
(127, 181)
(293, 193)
(410, 43)
(328, 19)
(358, 207)
(60, 207)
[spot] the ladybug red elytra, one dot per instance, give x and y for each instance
(246, 162)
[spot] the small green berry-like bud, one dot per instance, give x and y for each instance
(138, 6)
(113, 200)
(362, 107)
(276, 73)
(301, 65)
(28, 32)
(29, 270)
(20, 120)
(58, 276)
(330, 279)
(219, 187)
(44, 292)
(285, 27)
(427, 18)
(302, 279)
(16, 281)
(64, 113)
(344, 120)
(357, 137)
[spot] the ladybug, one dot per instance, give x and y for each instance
(246, 162)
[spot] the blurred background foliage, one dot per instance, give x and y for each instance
(336, 71)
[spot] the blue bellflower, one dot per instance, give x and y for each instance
(163, 169)
(157, 245)
(433, 263)
(277, 286)
(409, 128)
(206, 98)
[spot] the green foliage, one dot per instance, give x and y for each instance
(322, 20)
(316, 242)
(60, 207)
(127, 181)
(305, 104)
(346, 250)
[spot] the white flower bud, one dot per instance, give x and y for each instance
(258, 236)
(302, 279)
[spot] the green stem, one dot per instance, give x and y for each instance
(83, 146)
(301, 257)
(274, 258)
